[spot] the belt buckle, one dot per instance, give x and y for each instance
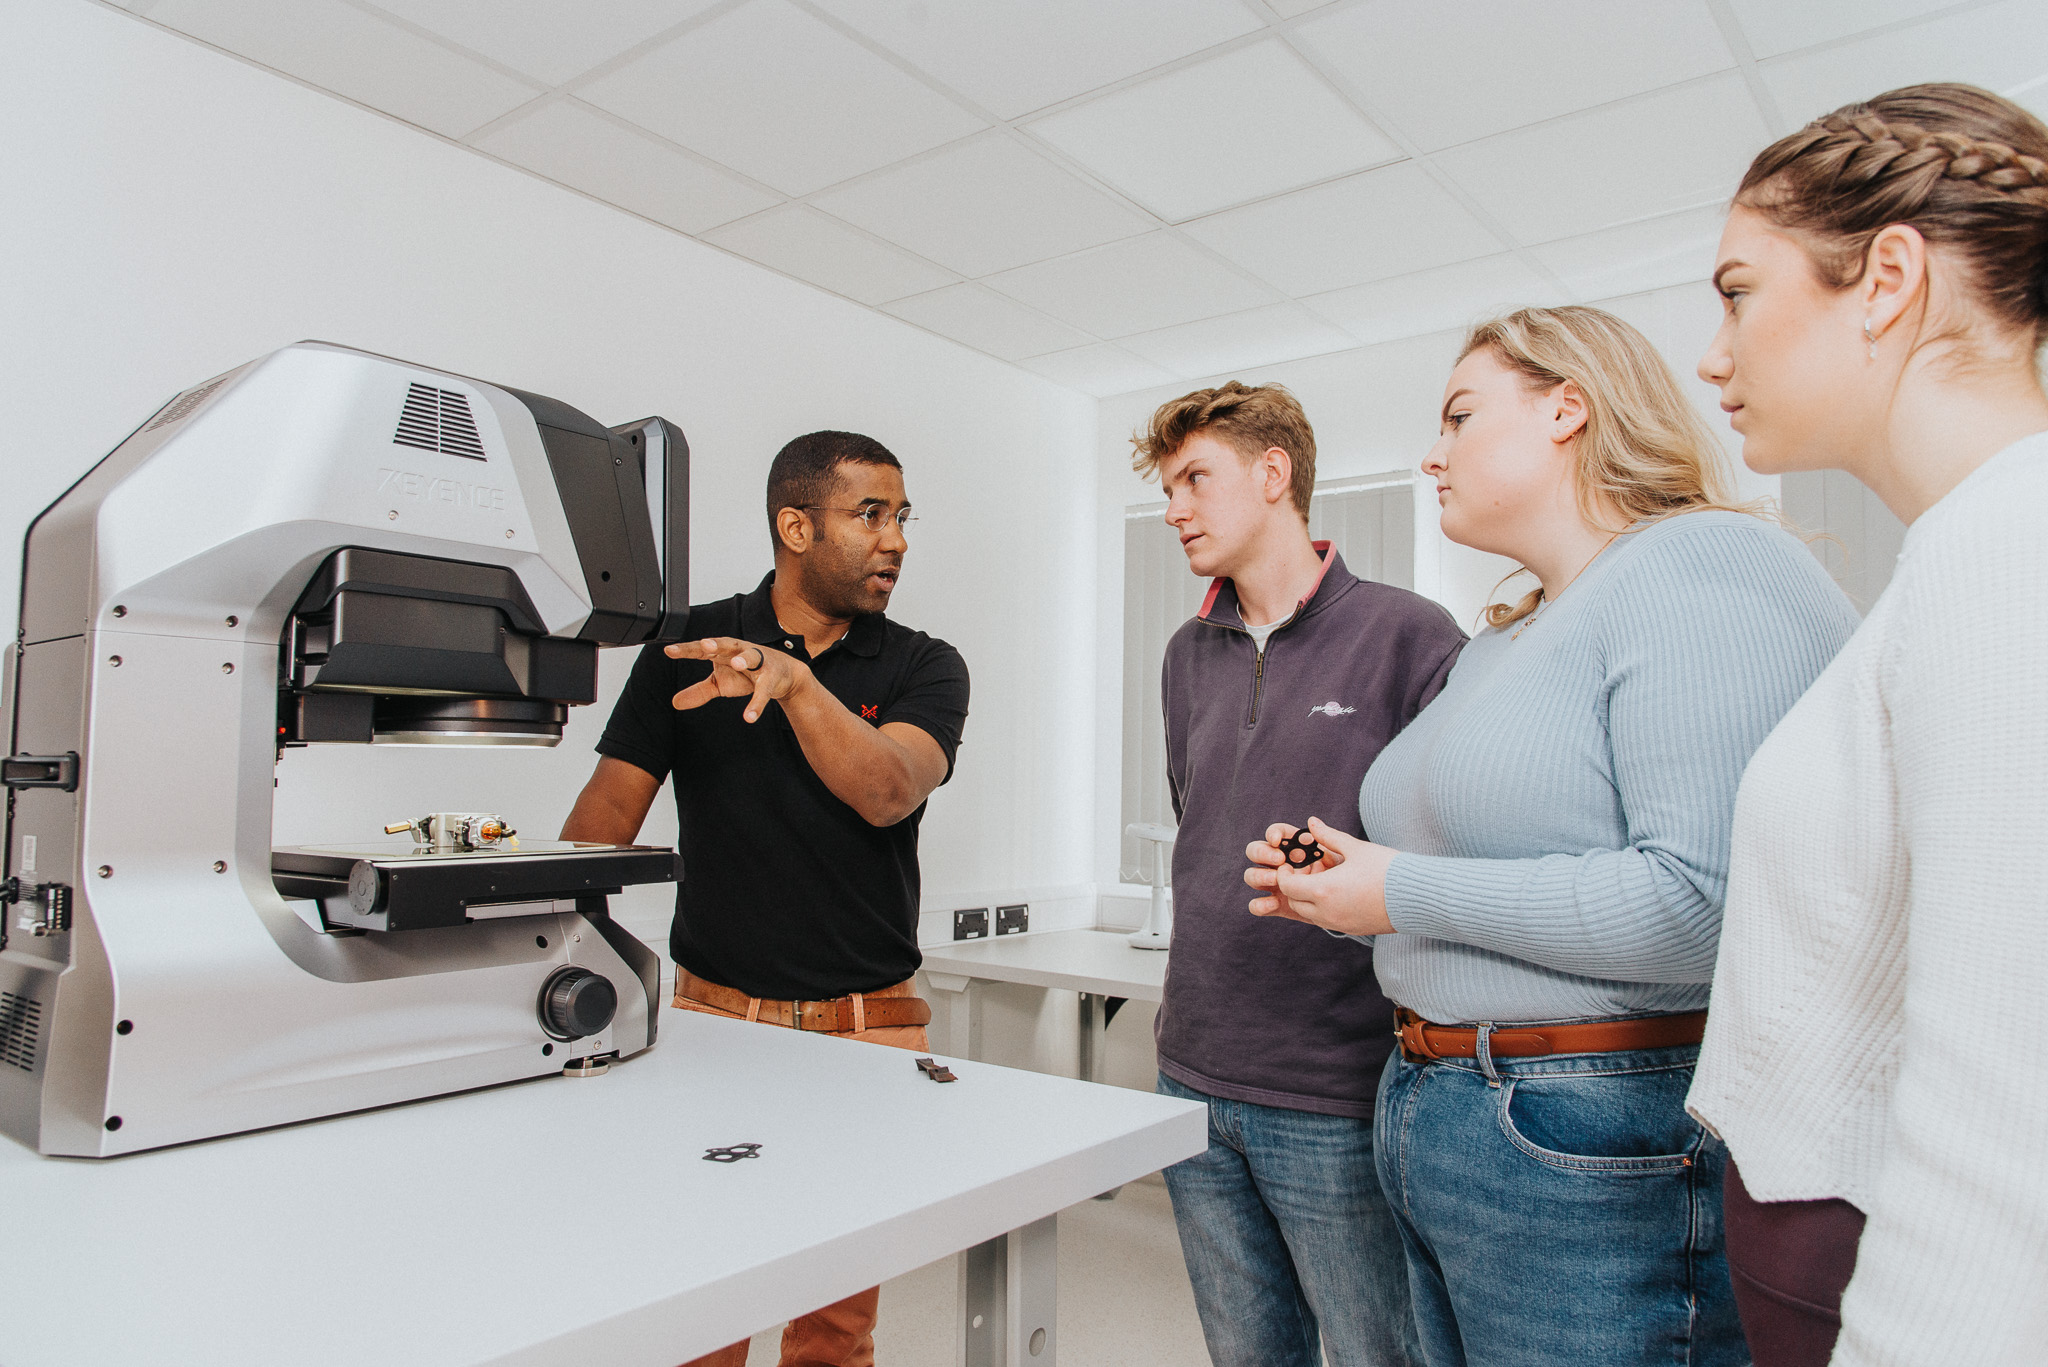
(796, 1015)
(1414, 1037)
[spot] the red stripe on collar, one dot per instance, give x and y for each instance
(1326, 549)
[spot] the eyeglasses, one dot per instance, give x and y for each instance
(872, 517)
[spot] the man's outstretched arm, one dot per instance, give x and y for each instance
(612, 806)
(883, 772)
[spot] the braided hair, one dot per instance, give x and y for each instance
(1966, 168)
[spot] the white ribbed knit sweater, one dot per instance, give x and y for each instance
(1880, 1005)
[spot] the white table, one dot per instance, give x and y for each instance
(575, 1221)
(1098, 964)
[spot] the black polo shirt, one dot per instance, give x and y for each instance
(786, 891)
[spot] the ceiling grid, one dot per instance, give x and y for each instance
(1361, 102)
(1118, 194)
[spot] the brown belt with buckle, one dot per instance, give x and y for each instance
(838, 1016)
(1424, 1041)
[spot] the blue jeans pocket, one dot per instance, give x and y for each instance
(1624, 1123)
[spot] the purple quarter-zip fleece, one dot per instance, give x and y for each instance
(1260, 1009)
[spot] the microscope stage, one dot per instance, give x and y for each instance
(398, 887)
(409, 852)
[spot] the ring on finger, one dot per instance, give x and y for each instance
(760, 659)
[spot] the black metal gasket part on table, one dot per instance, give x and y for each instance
(423, 892)
(1302, 844)
(732, 1153)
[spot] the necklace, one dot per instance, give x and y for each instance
(1546, 600)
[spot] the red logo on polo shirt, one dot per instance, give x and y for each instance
(870, 711)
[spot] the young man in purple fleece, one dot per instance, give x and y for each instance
(1278, 696)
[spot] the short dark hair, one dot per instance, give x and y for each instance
(805, 471)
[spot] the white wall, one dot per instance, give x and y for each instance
(172, 212)
(1374, 409)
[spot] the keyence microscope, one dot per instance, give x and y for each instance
(321, 547)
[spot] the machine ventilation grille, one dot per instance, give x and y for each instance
(21, 1028)
(439, 420)
(181, 407)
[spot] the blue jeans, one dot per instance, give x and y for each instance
(1561, 1210)
(1290, 1245)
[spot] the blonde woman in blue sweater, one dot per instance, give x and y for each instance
(1548, 855)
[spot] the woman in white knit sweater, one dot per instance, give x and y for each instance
(1881, 996)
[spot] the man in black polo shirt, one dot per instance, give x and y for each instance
(803, 731)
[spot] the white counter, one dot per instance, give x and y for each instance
(1099, 962)
(570, 1220)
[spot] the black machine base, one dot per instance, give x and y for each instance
(366, 889)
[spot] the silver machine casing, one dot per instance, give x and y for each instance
(185, 1002)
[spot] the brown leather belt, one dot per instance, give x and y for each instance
(1421, 1040)
(838, 1016)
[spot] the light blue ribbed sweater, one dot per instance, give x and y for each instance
(1564, 805)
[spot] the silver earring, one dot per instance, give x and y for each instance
(1870, 338)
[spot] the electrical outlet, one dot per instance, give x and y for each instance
(971, 925)
(1013, 920)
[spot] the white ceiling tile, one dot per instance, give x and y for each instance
(1014, 56)
(1509, 58)
(1364, 227)
(1775, 26)
(1288, 9)
(986, 321)
(1266, 336)
(574, 144)
(1132, 286)
(1238, 127)
(1999, 47)
(818, 248)
(1648, 312)
(1101, 370)
(984, 205)
(780, 96)
(1431, 301)
(1638, 256)
(546, 39)
(1656, 154)
(354, 54)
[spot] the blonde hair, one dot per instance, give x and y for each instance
(1644, 452)
(1250, 420)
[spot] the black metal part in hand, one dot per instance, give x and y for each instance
(1300, 850)
(732, 1153)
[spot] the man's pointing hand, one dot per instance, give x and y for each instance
(739, 669)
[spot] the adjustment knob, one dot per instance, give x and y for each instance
(577, 1002)
(365, 888)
